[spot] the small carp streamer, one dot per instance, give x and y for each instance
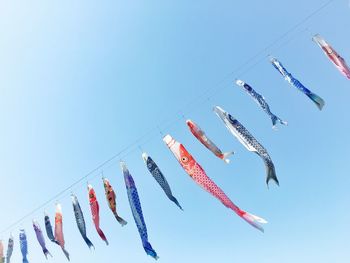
(59, 229)
(337, 60)
(248, 141)
(297, 84)
(79, 218)
(196, 172)
(10, 246)
(2, 258)
(260, 100)
(112, 202)
(136, 210)
(95, 212)
(40, 238)
(200, 135)
(159, 177)
(49, 230)
(24, 245)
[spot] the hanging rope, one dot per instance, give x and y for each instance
(209, 93)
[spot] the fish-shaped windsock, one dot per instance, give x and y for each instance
(10, 246)
(136, 210)
(79, 218)
(337, 60)
(201, 136)
(40, 238)
(159, 177)
(59, 229)
(260, 100)
(24, 245)
(49, 230)
(111, 199)
(95, 212)
(196, 172)
(297, 84)
(248, 141)
(2, 258)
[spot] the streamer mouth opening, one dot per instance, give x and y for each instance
(220, 112)
(190, 124)
(58, 208)
(272, 60)
(240, 82)
(319, 40)
(144, 156)
(169, 140)
(123, 166)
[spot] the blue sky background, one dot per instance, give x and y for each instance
(81, 80)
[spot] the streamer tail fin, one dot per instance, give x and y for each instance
(173, 199)
(88, 242)
(316, 99)
(276, 120)
(66, 253)
(46, 252)
(254, 220)
(149, 250)
(225, 156)
(270, 170)
(102, 235)
(120, 220)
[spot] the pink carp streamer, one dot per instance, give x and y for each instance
(95, 212)
(209, 144)
(337, 60)
(197, 173)
(59, 230)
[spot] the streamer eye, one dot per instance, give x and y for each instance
(184, 159)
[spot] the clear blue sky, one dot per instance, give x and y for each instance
(80, 80)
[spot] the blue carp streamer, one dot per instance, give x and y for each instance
(260, 100)
(297, 84)
(24, 245)
(159, 177)
(248, 141)
(136, 210)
